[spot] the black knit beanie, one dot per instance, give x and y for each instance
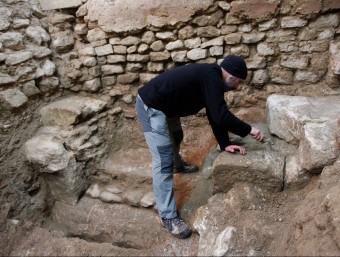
(235, 66)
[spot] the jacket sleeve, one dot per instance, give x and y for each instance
(220, 118)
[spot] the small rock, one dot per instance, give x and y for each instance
(110, 197)
(93, 191)
(113, 189)
(148, 200)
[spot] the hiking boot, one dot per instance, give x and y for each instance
(186, 168)
(176, 227)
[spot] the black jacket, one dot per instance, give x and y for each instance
(187, 89)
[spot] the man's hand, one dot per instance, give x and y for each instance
(233, 148)
(256, 134)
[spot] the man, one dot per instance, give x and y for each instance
(180, 92)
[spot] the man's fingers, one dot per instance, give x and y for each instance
(233, 148)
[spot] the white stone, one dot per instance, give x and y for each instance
(148, 37)
(179, 56)
(138, 58)
(42, 52)
(294, 61)
(111, 69)
(265, 49)
(193, 43)
(174, 45)
(165, 35)
(49, 68)
(92, 85)
(116, 58)
(253, 38)
(96, 34)
(60, 4)
(87, 50)
(5, 16)
(20, 23)
(148, 200)
(260, 77)
(12, 98)
(197, 54)
(6, 79)
(292, 22)
(37, 34)
(104, 50)
(295, 177)
(111, 188)
(12, 40)
(109, 197)
(81, 29)
(130, 40)
(325, 21)
(18, 57)
(93, 191)
(157, 46)
(89, 61)
(213, 42)
(216, 50)
(143, 48)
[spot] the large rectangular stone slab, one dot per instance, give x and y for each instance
(261, 168)
(47, 5)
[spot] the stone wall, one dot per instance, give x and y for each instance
(287, 45)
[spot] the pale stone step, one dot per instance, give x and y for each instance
(118, 224)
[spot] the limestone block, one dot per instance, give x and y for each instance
(294, 61)
(219, 228)
(18, 57)
(109, 197)
(280, 35)
(111, 69)
(252, 37)
(186, 32)
(104, 50)
(207, 20)
(47, 152)
(233, 38)
(159, 56)
(178, 44)
(119, 49)
(257, 9)
(281, 76)
(155, 66)
(307, 33)
(296, 177)
(6, 79)
(92, 219)
(49, 68)
(242, 50)
(126, 16)
(61, 18)
(29, 88)
(92, 85)
(308, 76)
(60, 4)
(148, 37)
(216, 50)
(148, 200)
(318, 148)
(146, 77)
(86, 50)
(5, 18)
(25, 73)
(63, 41)
(70, 110)
(47, 84)
(264, 26)
(96, 34)
(133, 67)
(193, 43)
(224, 5)
(335, 57)
(262, 168)
(89, 61)
(41, 52)
(325, 21)
(12, 98)
(314, 46)
(256, 62)
(179, 56)
(138, 58)
(209, 31)
(288, 47)
(214, 42)
(326, 34)
(133, 197)
(260, 77)
(130, 40)
(131, 49)
(81, 29)
(116, 58)
(197, 54)
(166, 35)
(12, 40)
(108, 81)
(265, 49)
(143, 48)
(287, 115)
(127, 78)
(20, 23)
(157, 46)
(292, 22)
(82, 11)
(37, 34)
